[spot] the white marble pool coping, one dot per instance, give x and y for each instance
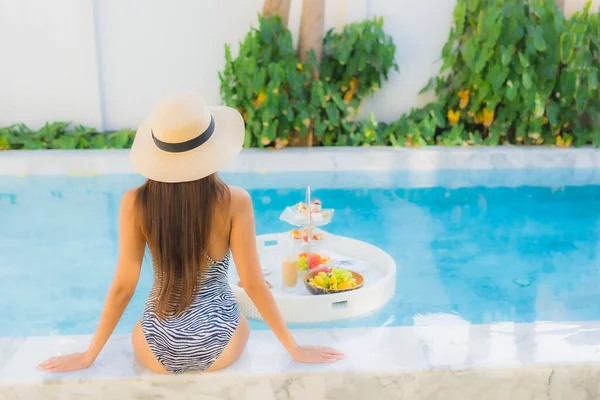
(364, 167)
(441, 357)
(91, 162)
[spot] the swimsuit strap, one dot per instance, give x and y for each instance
(209, 258)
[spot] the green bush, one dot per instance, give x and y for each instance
(266, 84)
(513, 72)
(61, 135)
(278, 97)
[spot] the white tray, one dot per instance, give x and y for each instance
(298, 306)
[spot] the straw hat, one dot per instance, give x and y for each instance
(185, 140)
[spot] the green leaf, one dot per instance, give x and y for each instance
(538, 39)
(119, 139)
(568, 82)
(538, 110)
(472, 5)
(430, 85)
(527, 83)
(470, 52)
(320, 128)
(494, 136)
(362, 62)
(507, 54)
(581, 99)
(484, 56)
(332, 113)
(497, 76)
(552, 111)
(438, 117)
(567, 45)
(524, 61)
(582, 138)
(99, 141)
(483, 91)
(460, 11)
(476, 138)
(596, 137)
(512, 90)
(592, 77)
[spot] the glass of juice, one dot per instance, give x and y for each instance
(289, 268)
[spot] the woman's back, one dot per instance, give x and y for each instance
(191, 313)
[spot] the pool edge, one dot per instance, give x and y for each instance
(450, 360)
(93, 162)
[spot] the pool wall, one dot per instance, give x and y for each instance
(93, 162)
(438, 358)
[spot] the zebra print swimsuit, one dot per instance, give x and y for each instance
(195, 338)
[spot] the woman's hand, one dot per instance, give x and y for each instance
(71, 362)
(309, 354)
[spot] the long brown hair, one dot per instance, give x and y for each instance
(175, 219)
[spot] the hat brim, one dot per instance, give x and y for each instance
(223, 146)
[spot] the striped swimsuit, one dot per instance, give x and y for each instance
(195, 338)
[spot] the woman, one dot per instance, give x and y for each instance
(190, 220)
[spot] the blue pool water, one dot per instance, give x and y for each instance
(482, 254)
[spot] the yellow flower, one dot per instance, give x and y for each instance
(261, 98)
(488, 117)
(348, 95)
(464, 98)
(300, 67)
(369, 133)
(453, 117)
(564, 142)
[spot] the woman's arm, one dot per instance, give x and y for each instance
(131, 253)
(243, 247)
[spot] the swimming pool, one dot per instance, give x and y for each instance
(483, 254)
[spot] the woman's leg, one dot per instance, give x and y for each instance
(235, 347)
(143, 352)
(232, 352)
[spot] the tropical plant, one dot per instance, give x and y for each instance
(354, 65)
(62, 135)
(515, 71)
(278, 96)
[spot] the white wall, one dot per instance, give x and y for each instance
(103, 63)
(570, 6)
(48, 68)
(149, 49)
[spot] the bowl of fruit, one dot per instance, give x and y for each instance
(330, 281)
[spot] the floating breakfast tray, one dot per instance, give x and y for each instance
(297, 305)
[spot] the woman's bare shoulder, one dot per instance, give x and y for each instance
(128, 200)
(240, 200)
(129, 197)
